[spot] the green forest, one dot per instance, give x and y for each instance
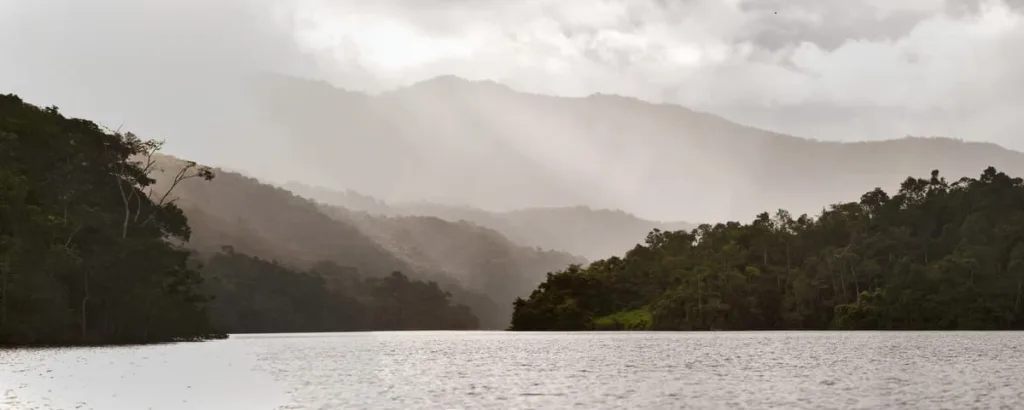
(937, 255)
(92, 251)
(259, 296)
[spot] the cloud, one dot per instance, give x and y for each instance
(134, 62)
(829, 25)
(826, 45)
(915, 55)
(959, 58)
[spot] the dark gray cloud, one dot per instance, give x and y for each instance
(969, 8)
(828, 24)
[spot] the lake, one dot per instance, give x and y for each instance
(504, 370)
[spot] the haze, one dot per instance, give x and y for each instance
(836, 71)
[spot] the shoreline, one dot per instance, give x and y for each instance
(57, 345)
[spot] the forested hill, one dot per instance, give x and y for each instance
(579, 230)
(257, 295)
(936, 255)
(480, 267)
(478, 258)
(93, 233)
(86, 256)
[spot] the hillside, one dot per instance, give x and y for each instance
(935, 255)
(579, 230)
(484, 145)
(478, 258)
(480, 267)
(260, 219)
(103, 240)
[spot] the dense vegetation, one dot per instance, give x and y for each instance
(255, 295)
(94, 248)
(937, 255)
(477, 258)
(87, 250)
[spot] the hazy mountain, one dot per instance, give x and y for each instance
(482, 268)
(487, 146)
(479, 258)
(580, 230)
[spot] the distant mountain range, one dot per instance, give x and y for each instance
(487, 146)
(481, 268)
(591, 233)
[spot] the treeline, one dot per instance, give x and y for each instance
(87, 250)
(937, 255)
(252, 295)
(92, 251)
(475, 257)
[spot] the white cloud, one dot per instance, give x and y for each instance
(650, 47)
(961, 56)
(715, 55)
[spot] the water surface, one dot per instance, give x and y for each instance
(451, 370)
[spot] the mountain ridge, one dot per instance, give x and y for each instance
(657, 160)
(451, 80)
(495, 148)
(592, 233)
(480, 267)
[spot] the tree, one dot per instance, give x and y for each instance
(935, 255)
(86, 256)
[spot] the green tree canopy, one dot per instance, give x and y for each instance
(937, 255)
(88, 252)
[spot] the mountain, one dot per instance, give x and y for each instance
(95, 249)
(263, 220)
(487, 146)
(480, 267)
(478, 258)
(579, 230)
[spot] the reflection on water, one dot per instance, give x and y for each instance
(813, 370)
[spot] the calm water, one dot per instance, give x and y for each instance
(449, 370)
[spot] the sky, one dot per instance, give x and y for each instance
(825, 69)
(866, 69)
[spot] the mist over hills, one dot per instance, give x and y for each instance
(479, 258)
(536, 175)
(534, 170)
(479, 266)
(487, 146)
(543, 165)
(580, 230)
